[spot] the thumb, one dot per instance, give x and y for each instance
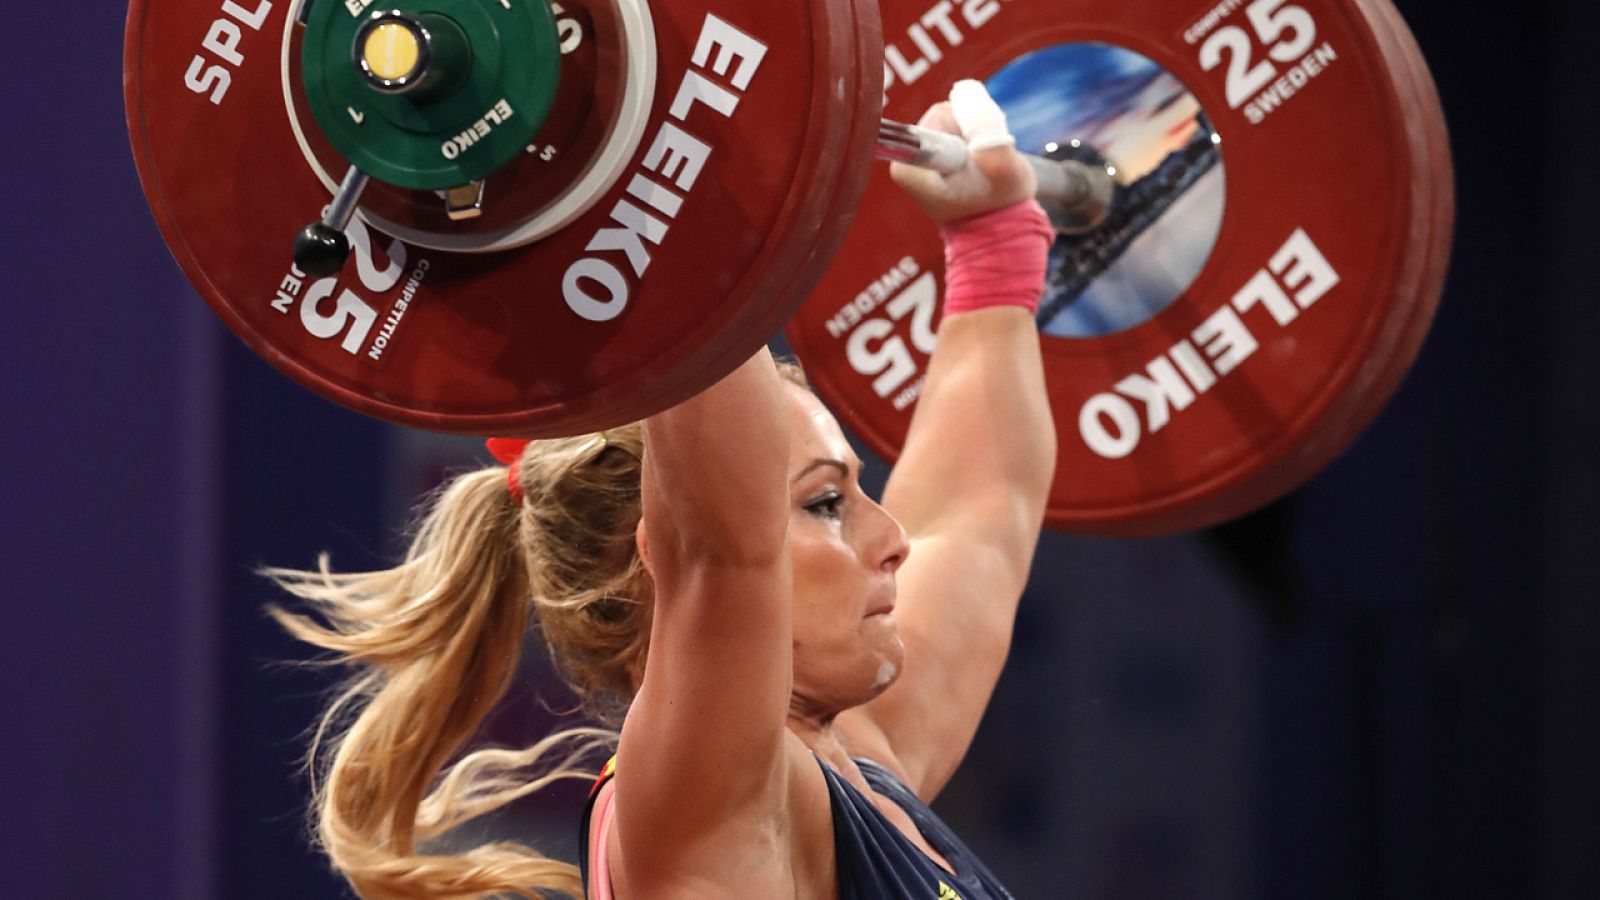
(982, 121)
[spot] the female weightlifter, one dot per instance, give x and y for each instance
(801, 668)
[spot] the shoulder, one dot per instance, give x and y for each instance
(785, 850)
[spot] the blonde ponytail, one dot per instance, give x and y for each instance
(436, 641)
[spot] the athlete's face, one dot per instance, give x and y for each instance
(845, 550)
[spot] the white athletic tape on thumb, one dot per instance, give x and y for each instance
(982, 121)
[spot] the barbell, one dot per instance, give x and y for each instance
(545, 218)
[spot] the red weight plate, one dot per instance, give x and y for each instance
(1418, 283)
(498, 342)
(808, 259)
(1420, 280)
(1201, 404)
(794, 270)
(1435, 158)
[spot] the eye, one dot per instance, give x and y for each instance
(827, 506)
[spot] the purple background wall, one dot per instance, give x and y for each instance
(1383, 686)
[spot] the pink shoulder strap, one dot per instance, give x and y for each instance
(600, 827)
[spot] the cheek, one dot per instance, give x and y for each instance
(825, 598)
(808, 568)
(819, 553)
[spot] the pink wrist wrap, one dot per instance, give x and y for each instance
(997, 259)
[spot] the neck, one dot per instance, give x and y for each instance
(816, 730)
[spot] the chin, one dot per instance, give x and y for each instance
(888, 674)
(890, 661)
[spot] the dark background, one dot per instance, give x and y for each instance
(1382, 686)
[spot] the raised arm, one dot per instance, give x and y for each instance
(702, 746)
(971, 485)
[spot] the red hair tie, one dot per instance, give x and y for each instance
(508, 451)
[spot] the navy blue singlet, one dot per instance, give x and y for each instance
(876, 861)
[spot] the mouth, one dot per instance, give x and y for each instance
(881, 597)
(881, 608)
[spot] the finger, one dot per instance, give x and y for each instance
(988, 134)
(1010, 176)
(940, 117)
(916, 179)
(981, 120)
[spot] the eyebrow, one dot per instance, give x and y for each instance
(843, 467)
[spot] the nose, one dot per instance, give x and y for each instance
(889, 546)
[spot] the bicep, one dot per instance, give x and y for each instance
(703, 740)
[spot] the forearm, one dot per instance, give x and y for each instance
(714, 469)
(981, 450)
